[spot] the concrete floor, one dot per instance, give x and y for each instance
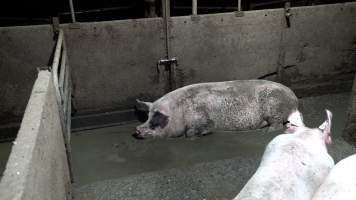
(109, 164)
(5, 149)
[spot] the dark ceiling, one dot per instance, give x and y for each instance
(26, 12)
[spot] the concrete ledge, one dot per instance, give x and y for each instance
(37, 166)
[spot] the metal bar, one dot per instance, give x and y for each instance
(239, 5)
(206, 8)
(63, 112)
(195, 7)
(166, 18)
(69, 124)
(55, 64)
(96, 10)
(72, 10)
(69, 109)
(57, 52)
(257, 4)
(65, 85)
(62, 72)
(166, 15)
(65, 94)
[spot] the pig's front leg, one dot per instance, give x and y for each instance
(275, 127)
(196, 132)
(274, 124)
(201, 128)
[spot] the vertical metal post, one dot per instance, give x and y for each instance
(282, 55)
(72, 10)
(171, 66)
(349, 132)
(194, 7)
(287, 13)
(166, 15)
(239, 12)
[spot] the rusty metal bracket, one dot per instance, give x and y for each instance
(75, 25)
(167, 63)
(55, 25)
(170, 67)
(239, 13)
(46, 68)
(195, 18)
(287, 13)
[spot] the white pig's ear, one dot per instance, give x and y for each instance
(326, 127)
(296, 119)
(143, 106)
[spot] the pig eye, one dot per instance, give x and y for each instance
(158, 119)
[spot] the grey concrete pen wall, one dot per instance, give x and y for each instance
(114, 62)
(37, 167)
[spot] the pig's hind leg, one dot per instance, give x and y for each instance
(200, 129)
(193, 132)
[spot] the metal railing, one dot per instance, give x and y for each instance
(63, 87)
(195, 7)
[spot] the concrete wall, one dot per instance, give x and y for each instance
(113, 63)
(323, 47)
(22, 50)
(37, 166)
(319, 46)
(349, 132)
(225, 47)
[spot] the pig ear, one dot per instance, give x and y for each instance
(326, 127)
(296, 119)
(143, 106)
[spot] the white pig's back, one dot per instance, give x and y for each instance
(288, 170)
(340, 184)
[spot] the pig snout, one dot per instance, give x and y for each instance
(143, 132)
(138, 134)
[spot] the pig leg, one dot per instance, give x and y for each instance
(200, 129)
(275, 123)
(196, 132)
(274, 110)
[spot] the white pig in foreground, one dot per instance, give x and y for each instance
(340, 184)
(293, 165)
(197, 109)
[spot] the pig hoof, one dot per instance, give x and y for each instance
(274, 127)
(137, 136)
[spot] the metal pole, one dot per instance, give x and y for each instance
(72, 10)
(166, 16)
(239, 5)
(194, 7)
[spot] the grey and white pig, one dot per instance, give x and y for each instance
(197, 109)
(293, 165)
(340, 184)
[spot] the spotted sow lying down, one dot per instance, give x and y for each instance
(197, 109)
(293, 165)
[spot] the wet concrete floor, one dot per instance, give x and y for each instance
(110, 164)
(5, 149)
